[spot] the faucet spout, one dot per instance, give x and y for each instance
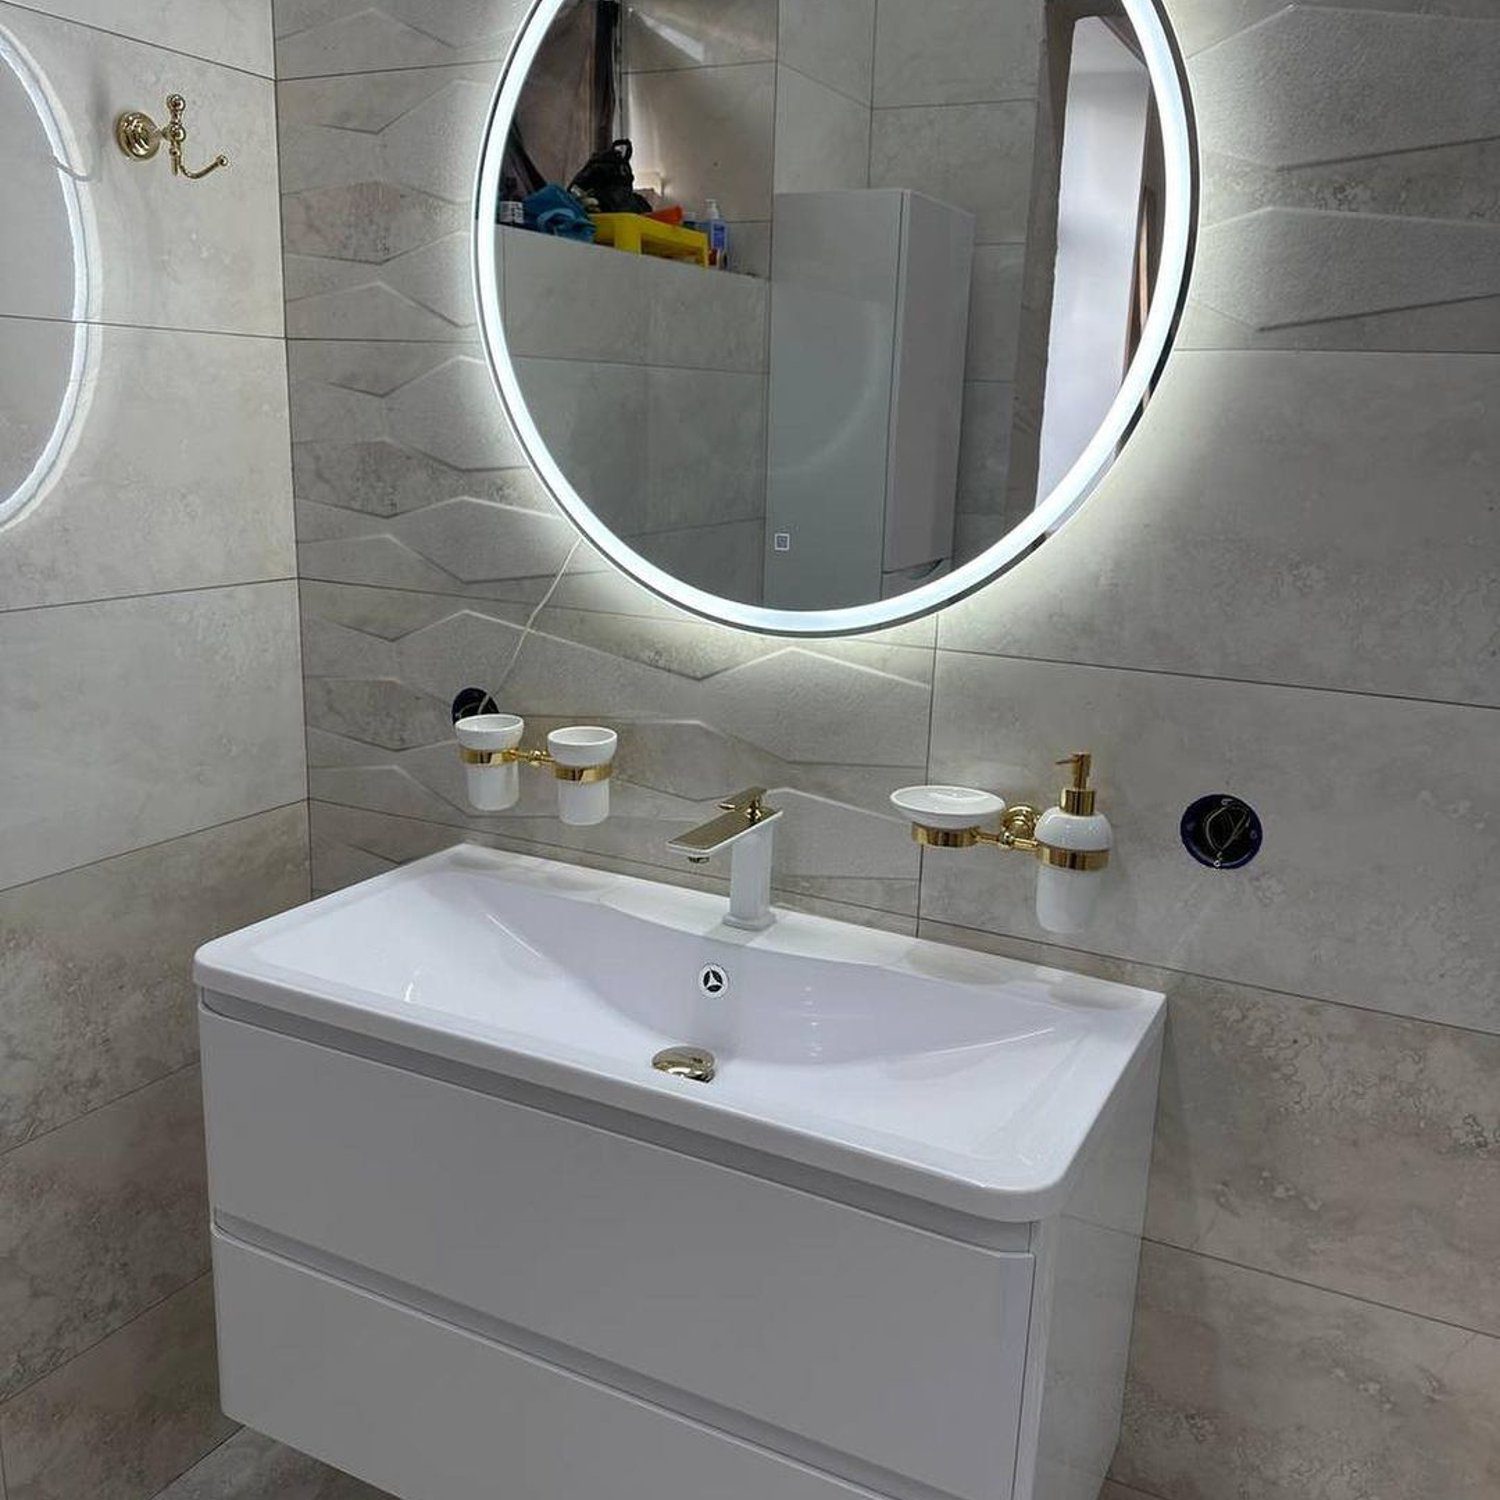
(746, 827)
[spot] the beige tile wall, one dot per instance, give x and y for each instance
(153, 777)
(1286, 589)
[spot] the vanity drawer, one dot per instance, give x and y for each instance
(431, 1412)
(871, 1339)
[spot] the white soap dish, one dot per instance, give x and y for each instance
(949, 807)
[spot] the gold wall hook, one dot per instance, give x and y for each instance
(140, 137)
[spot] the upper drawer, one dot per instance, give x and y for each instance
(876, 1339)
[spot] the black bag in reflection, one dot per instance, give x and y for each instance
(606, 182)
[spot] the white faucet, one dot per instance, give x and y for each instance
(746, 828)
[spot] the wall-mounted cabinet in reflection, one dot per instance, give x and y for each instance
(892, 300)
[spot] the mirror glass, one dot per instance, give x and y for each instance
(815, 314)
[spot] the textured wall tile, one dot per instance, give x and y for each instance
(121, 511)
(702, 711)
(98, 1221)
(96, 996)
(1327, 109)
(377, 182)
(1303, 553)
(1372, 886)
(1244, 1384)
(1338, 1147)
(665, 34)
(1348, 206)
(957, 52)
(350, 36)
(977, 156)
(200, 696)
(822, 136)
(385, 428)
(995, 312)
(122, 1420)
(252, 1467)
(143, 248)
(237, 32)
(830, 40)
(709, 132)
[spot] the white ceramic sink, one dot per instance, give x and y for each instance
(966, 1080)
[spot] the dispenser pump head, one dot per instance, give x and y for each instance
(1078, 796)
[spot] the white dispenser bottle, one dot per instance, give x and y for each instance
(1075, 841)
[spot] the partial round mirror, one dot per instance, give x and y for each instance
(816, 315)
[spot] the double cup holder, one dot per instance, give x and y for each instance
(581, 759)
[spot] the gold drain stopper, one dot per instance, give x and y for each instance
(696, 1063)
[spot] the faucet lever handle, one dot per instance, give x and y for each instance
(750, 802)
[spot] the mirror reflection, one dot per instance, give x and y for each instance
(812, 302)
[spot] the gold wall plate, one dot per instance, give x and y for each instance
(136, 135)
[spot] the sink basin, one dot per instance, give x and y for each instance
(962, 1079)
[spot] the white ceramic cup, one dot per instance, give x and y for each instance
(580, 804)
(492, 788)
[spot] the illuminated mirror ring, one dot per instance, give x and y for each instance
(1179, 214)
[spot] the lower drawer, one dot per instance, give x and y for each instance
(432, 1412)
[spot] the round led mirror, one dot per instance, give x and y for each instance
(814, 317)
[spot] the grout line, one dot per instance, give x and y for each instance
(93, 1110)
(187, 833)
(1156, 969)
(145, 1312)
(1293, 687)
(218, 333)
(1313, 1286)
(213, 62)
(183, 1473)
(202, 588)
(474, 62)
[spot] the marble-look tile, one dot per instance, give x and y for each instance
(1335, 1146)
(984, 446)
(1113, 1491)
(569, 301)
(822, 137)
(709, 133)
(204, 255)
(252, 1467)
(96, 994)
(976, 156)
(705, 448)
(1280, 517)
(671, 34)
(377, 181)
(702, 712)
(995, 312)
(118, 510)
(315, 37)
(99, 1220)
(726, 559)
(830, 40)
(1372, 886)
(127, 1417)
(134, 721)
(957, 52)
(1244, 1384)
(1199, 24)
(237, 32)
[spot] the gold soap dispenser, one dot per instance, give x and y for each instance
(1074, 840)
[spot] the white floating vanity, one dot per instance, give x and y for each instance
(469, 1244)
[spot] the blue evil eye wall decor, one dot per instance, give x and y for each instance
(1222, 832)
